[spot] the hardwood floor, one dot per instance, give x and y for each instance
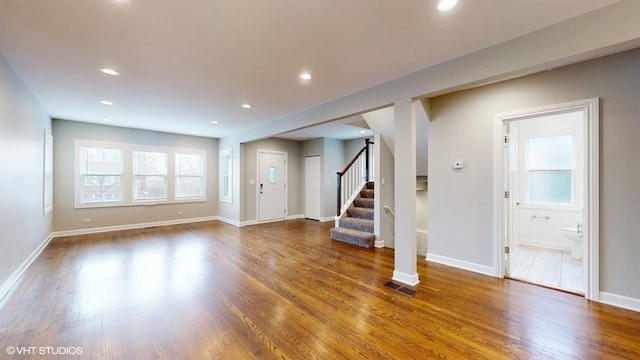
(286, 291)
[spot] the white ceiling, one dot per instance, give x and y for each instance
(185, 63)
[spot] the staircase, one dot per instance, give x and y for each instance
(356, 227)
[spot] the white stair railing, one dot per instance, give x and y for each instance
(353, 178)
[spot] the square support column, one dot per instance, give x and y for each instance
(405, 193)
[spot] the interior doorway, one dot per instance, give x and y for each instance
(272, 185)
(547, 178)
(312, 193)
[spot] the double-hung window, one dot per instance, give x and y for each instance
(189, 171)
(99, 173)
(149, 175)
(226, 175)
(550, 169)
(115, 174)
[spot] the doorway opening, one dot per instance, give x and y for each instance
(547, 186)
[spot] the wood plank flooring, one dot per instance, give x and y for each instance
(286, 291)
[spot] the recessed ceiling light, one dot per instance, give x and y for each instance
(363, 131)
(305, 76)
(445, 5)
(106, 102)
(214, 122)
(110, 72)
(106, 120)
(247, 106)
(192, 131)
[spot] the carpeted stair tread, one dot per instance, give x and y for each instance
(364, 202)
(357, 224)
(360, 212)
(354, 237)
(367, 193)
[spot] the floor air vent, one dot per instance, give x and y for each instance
(402, 289)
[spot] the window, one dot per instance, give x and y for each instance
(550, 169)
(100, 171)
(112, 174)
(226, 175)
(149, 175)
(189, 176)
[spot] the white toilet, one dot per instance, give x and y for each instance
(575, 235)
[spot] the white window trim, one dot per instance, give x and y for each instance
(224, 153)
(204, 175)
(166, 179)
(127, 175)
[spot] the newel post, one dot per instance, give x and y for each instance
(366, 158)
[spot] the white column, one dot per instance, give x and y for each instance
(405, 193)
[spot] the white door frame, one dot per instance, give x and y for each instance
(591, 217)
(286, 181)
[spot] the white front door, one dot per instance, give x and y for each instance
(272, 185)
(312, 187)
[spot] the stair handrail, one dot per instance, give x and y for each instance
(388, 210)
(354, 181)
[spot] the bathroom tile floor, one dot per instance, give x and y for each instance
(547, 267)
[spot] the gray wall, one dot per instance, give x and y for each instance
(22, 125)
(351, 148)
(461, 128)
(334, 161)
(295, 198)
(385, 171)
(68, 218)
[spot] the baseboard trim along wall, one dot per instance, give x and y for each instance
(131, 226)
(461, 264)
(13, 278)
(231, 222)
(620, 301)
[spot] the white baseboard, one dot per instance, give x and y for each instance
(293, 217)
(379, 243)
(327, 219)
(13, 278)
(620, 301)
(410, 280)
(461, 264)
(230, 222)
(131, 226)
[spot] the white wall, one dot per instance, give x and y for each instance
(22, 125)
(67, 218)
(461, 128)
